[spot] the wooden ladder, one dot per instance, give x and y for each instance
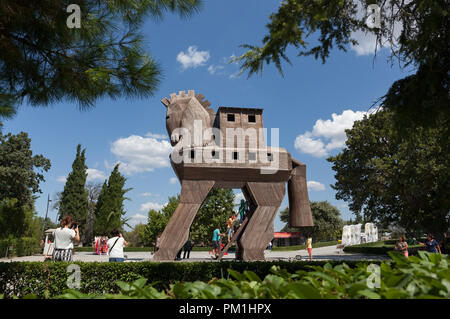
(234, 238)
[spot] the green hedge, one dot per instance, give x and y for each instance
(380, 248)
(49, 279)
(426, 276)
(13, 247)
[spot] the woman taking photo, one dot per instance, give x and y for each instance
(115, 247)
(65, 236)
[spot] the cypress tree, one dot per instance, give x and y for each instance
(109, 210)
(74, 198)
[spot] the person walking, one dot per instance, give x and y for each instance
(115, 246)
(402, 246)
(157, 242)
(178, 256)
(309, 247)
(215, 242)
(65, 237)
(230, 223)
(187, 248)
(432, 245)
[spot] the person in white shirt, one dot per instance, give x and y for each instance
(115, 246)
(65, 236)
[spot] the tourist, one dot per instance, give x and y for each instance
(157, 242)
(187, 248)
(402, 246)
(309, 247)
(242, 210)
(432, 245)
(115, 246)
(230, 223)
(215, 241)
(65, 236)
(178, 257)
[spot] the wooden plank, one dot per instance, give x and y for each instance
(235, 237)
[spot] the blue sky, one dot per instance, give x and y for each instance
(311, 105)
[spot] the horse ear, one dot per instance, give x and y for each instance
(165, 101)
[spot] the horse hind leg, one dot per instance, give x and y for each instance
(259, 231)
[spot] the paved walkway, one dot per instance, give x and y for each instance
(322, 253)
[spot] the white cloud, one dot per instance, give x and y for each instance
(327, 134)
(193, 58)
(141, 154)
(151, 205)
(304, 143)
(212, 69)
(137, 219)
(61, 179)
(173, 180)
(315, 186)
(95, 174)
(147, 194)
(238, 197)
(366, 43)
(234, 75)
(157, 136)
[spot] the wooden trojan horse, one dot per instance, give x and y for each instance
(226, 149)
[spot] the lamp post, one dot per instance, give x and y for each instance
(46, 213)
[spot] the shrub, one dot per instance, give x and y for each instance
(48, 279)
(426, 276)
(380, 248)
(24, 246)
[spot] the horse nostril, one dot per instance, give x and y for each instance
(167, 117)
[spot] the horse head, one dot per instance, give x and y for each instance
(177, 118)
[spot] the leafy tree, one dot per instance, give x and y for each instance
(93, 190)
(7, 111)
(74, 198)
(21, 172)
(109, 210)
(15, 219)
(45, 61)
(36, 229)
(390, 177)
(157, 221)
(416, 32)
(327, 221)
(213, 213)
(136, 236)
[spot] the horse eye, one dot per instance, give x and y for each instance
(167, 117)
